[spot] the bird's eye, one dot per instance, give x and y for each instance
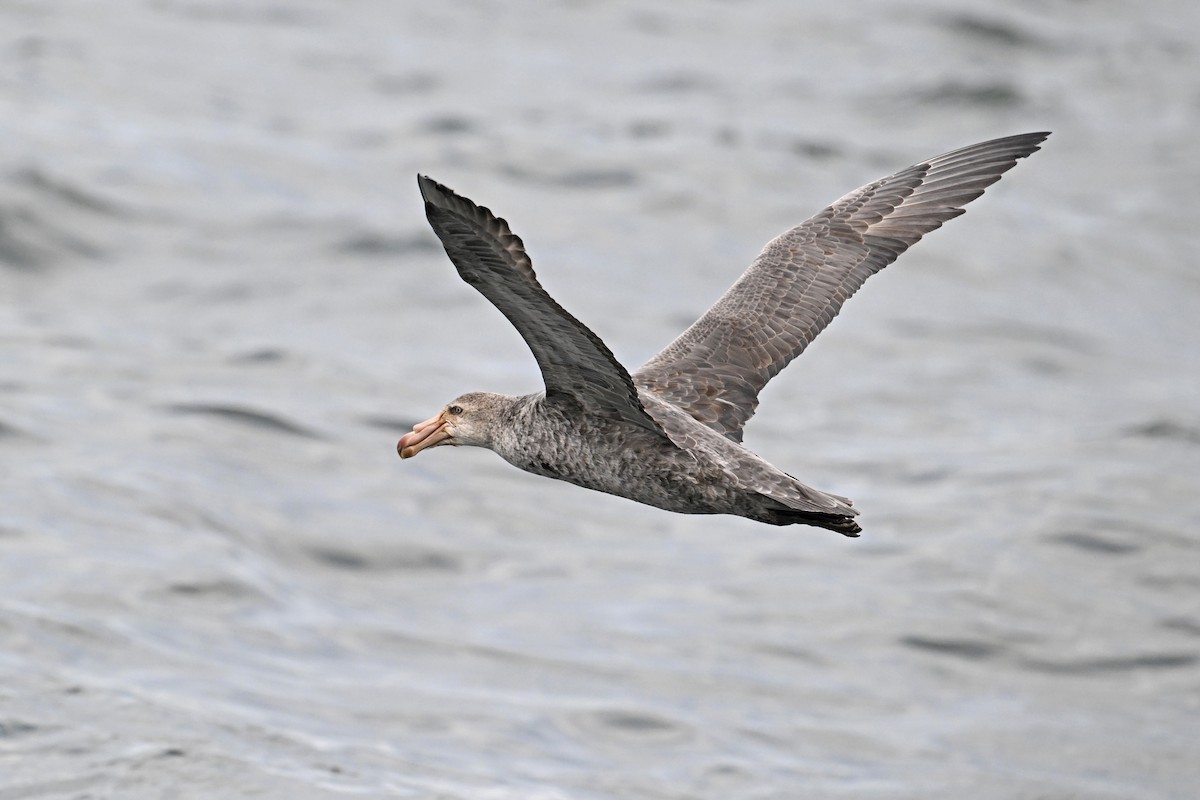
(455, 409)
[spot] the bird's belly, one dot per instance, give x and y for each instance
(673, 483)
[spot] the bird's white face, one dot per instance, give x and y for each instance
(462, 422)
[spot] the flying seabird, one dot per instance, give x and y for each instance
(669, 435)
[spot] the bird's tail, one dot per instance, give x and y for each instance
(844, 525)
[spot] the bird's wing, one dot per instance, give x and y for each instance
(490, 257)
(715, 369)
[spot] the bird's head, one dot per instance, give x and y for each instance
(471, 419)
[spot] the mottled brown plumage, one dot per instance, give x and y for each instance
(670, 434)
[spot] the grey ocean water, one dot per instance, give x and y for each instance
(221, 306)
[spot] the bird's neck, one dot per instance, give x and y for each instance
(517, 425)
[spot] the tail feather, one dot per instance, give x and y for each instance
(833, 522)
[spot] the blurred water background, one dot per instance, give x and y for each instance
(221, 306)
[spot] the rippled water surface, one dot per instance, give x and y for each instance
(221, 306)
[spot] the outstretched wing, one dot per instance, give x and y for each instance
(490, 257)
(715, 369)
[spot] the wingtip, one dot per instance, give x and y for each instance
(439, 197)
(1033, 140)
(429, 188)
(1036, 140)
